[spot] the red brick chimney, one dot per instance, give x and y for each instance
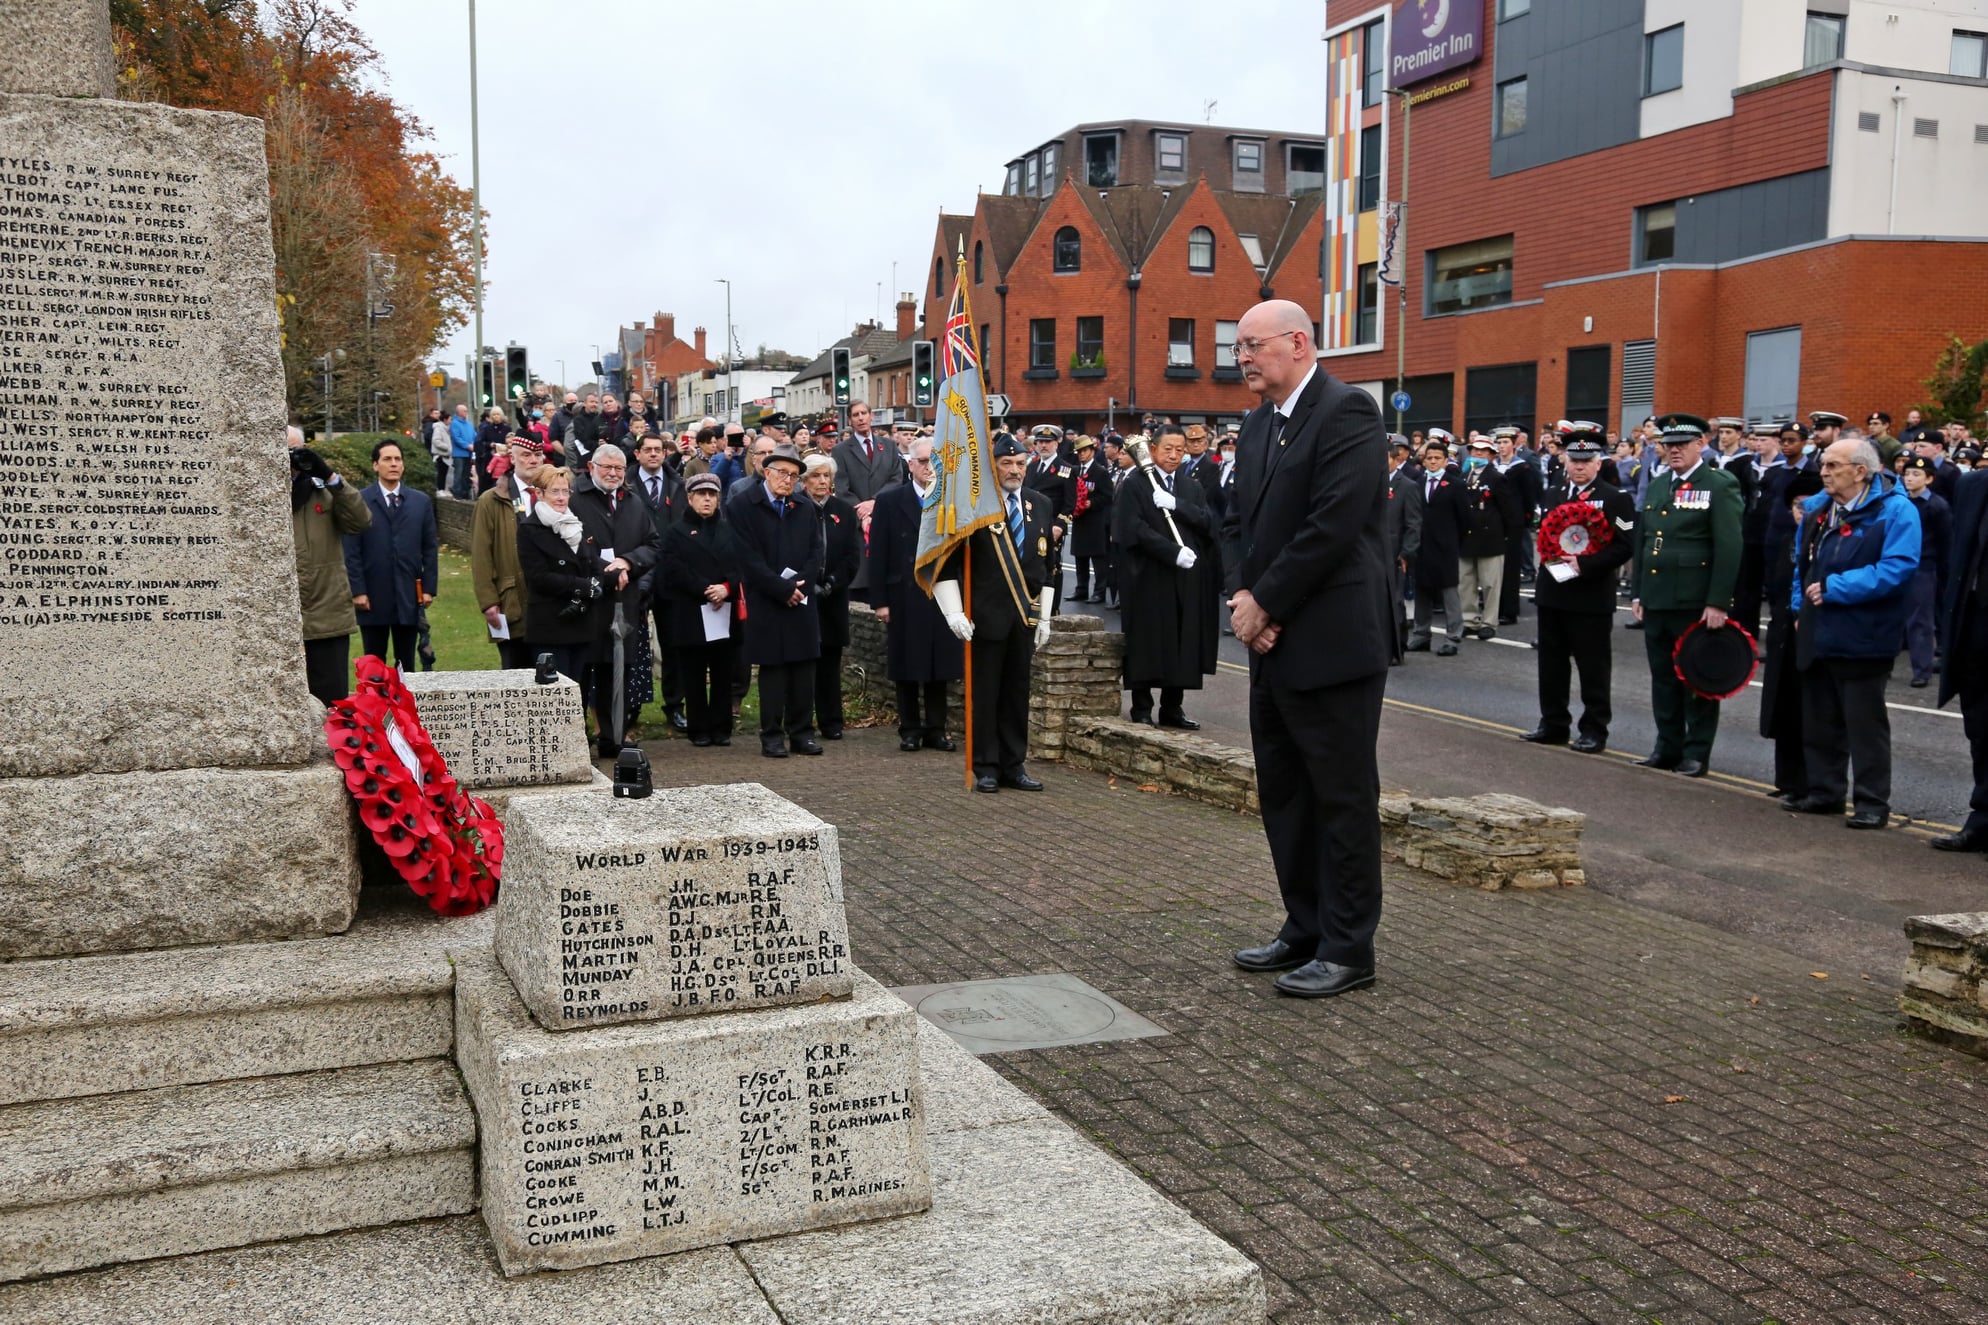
(700, 344)
(907, 317)
(666, 327)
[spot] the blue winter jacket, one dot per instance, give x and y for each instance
(462, 437)
(1864, 566)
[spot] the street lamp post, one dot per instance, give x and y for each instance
(731, 388)
(1401, 247)
(476, 193)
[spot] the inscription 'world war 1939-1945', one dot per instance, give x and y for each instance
(107, 487)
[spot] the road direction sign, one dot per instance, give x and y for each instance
(438, 380)
(997, 407)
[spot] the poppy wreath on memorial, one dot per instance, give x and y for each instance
(1574, 529)
(447, 846)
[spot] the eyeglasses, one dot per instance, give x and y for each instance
(1252, 347)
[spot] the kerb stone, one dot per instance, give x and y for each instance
(148, 612)
(705, 899)
(641, 1140)
(106, 862)
(502, 729)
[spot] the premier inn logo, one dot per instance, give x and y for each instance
(1435, 16)
(1433, 35)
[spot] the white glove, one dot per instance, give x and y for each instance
(1184, 558)
(1163, 499)
(1043, 607)
(946, 594)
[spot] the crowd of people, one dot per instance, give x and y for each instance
(741, 548)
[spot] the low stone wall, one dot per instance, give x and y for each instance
(1944, 998)
(1490, 841)
(452, 521)
(1177, 761)
(1076, 677)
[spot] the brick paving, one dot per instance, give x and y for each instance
(1553, 1107)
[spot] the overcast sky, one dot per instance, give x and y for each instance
(636, 151)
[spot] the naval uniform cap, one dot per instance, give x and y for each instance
(1046, 432)
(1442, 435)
(1728, 421)
(1827, 418)
(1504, 431)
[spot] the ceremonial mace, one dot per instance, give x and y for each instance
(1142, 455)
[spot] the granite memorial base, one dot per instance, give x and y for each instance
(703, 899)
(102, 862)
(503, 729)
(1945, 996)
(668, 1135)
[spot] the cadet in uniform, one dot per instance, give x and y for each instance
(1055, 478)
(1687, 565)
(1575, 598)
(1011, 610)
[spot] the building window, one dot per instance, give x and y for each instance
(938, 277)
(985, 362)
(1466, 276)
(1588, 384)
(977, 276)
(1970, 54)
(1050, 155)
(1101, 161)
(1090, 342)
(1249, 167)
(1504, 394)
(1370, 167)
(1042, 343)
(1656, 233)
(1367, 329)
(1225, 346)
(1069, 250)
(1373, 79)
(1663, 61)
(1304, 170)
(1253, 250)
(1032, 179)
(1513, 8)
(1013, 184)
(1511, 107)
(1823, 39)
(1170, 152)
(1180, 342)
(1201, 249)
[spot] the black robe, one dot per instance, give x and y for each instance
(842, 542)
(1170, 615)
(1090, 529)
(770, 543)
(918, 646)
(698, 552)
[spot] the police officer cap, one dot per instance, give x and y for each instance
(1920, 463)
(1582, 441)
(1827, 418)
(1006, 445)
(1682, 425)
(774, 420)
(1715, 664)
(1046, 432)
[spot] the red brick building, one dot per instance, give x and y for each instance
(1107, 278)
(662, 359)
(1620, 206)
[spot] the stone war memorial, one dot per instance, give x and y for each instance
(247, 1078)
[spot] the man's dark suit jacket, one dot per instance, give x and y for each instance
(1306, 534)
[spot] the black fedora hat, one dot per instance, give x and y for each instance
(1715, 664)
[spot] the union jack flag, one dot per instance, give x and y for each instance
(965, 494)
(956, 354)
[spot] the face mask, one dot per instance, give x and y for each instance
(538, 413)
(1476, 462)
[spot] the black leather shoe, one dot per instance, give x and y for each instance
(831, 733)
(1144, 717)
(1177, 719)
(1811, 805)
(1545, 736)
(1690, 768)
(1417, 646)
(1656, 761)
(1962, 841)
(808, 747)
(1323, 979)
(721, 740)
(1446, 650)
(606, 749)
(1275, 955)
(1868, 819)
(1588, 745)
(773, 749)
(1486, 633)
(1508, 621)
(941, 742)
(1021, 782)
(679, 722)
(911, 744)
(986, 784)
(702, 742)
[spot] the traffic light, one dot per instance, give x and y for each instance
(489, 387)
(517, 372)
(921, 374)
(839, 374)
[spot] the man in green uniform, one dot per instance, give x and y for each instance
(1687, 564)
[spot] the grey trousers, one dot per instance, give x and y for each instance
(1425, 608)
(1488, 574)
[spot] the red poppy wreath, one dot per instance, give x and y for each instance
(449, 847)
(1573, 529)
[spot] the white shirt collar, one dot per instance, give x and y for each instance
(389, 491)
(1291, 400)
(922, 492)
(1685, 476)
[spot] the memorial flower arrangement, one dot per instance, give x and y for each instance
(448, 846)
(1573, 529)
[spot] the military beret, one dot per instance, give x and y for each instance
(1971, 454)
(1920, 463)
(1805, 484)
(1005, 445)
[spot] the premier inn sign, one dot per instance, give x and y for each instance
(1431, 36)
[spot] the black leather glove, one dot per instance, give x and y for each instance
(310, 464)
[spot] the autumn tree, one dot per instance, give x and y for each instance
(346, 179)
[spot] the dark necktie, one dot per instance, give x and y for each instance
(656, 491)
(613, 503)
(393, 500)
(1277, 422)
(1017, 526)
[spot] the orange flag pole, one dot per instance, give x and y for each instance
(966, 590)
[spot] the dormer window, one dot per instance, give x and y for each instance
(1249, 165)
(1170, 155)
(1101, 160)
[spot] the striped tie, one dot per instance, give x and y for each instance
(1017, 527)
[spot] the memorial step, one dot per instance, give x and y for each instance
(117, 1178)
(379, 993)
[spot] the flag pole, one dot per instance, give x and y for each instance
(966, 591)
